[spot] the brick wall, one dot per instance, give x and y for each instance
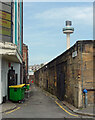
(67, 76)
(25, 58)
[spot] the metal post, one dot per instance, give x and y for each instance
(85, 92)
(85, 100)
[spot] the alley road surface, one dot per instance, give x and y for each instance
(39, 105)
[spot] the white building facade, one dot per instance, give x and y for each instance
(10, 45)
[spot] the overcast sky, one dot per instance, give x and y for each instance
(43, 24)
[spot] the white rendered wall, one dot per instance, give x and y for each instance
(0, 80)
(0, 88)
(5, 77)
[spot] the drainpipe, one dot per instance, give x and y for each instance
(21, 26)
(16, 22)
(82, 72)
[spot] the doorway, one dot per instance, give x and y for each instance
(61, 78)
(12, 78)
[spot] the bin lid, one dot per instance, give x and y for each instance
(28, 84)
(17, 86)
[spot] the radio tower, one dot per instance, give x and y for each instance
(68, 30)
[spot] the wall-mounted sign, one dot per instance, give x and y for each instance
(5, 23)
(5, 31)
(74, 54)
(5, 15)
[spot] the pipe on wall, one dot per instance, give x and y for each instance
(16, 22)
(21, 26)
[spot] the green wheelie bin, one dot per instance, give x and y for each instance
(16, 92)
(27, 86)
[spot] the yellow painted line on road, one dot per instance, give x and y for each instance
(12, 110)
(65, 109)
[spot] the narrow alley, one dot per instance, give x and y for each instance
(45, 72)
(39, 105)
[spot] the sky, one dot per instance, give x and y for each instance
(43, 24)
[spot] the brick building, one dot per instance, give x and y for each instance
(25, 62)
(70, 73)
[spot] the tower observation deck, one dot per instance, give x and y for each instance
(68, 30)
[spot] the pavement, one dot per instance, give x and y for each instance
(89, 111)
(7, 106)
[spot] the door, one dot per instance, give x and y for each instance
(61, 78)
(12, 78)
(46, 84)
